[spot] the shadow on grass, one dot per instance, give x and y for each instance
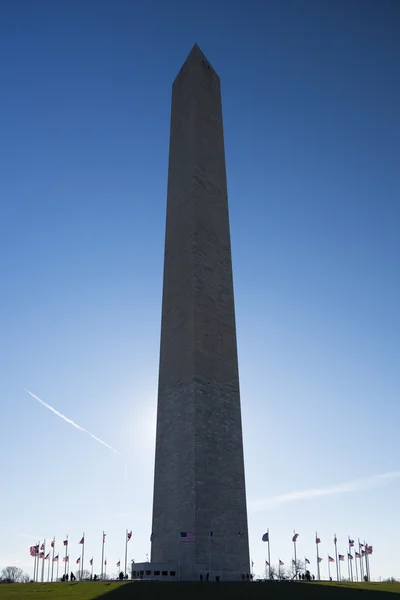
(248, 591)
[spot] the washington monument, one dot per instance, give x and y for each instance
(199, 506)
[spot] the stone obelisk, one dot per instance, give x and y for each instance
(199, 482)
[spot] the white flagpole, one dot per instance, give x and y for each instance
(102, 556)
(66, 549)
(355, 560)
(38, 563)
(34, 566)
(44, 554)
(269, 557)
(83, 553)
(316, 537)
(52, 562)
(337, 561)
(126, 549)
(367, 561)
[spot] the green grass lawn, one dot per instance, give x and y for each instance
(114, 590)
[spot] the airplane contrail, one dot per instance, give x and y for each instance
(71, 422)
(356, 485)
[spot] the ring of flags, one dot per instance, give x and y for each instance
(37, 551)
(364, 551)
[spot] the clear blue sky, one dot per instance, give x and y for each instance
(311, 100)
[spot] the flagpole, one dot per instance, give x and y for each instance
(351, 566)
(102, 557)
(52, 560)
(329, 568)
(92, 567)
(355, 559)
(57, 567)
(66, 550)
(38, 563)
(295, 557)
(48, 569)
(337, 562)
(34, 565)
(361, 565)
(316, 537)
(340, 576)
(83, 553)
(279, 569)
(269, 557)
(126, 551)
(105, 567)
(348, 562)
(366, 560)
(44, 554)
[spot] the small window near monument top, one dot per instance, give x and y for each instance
(164, 573)
(156, 572)
(172, 573)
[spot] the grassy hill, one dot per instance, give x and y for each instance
(114, 590)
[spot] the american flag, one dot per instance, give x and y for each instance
(307, 561)
(331, 559)
(41, 555)
(53, 542)
(320, 559)
(350, 556)
(368, 549)
(341, 556)
(119, 563)
(267, 563)
(294, 538)
(65, 542)
(47, 556)
(66, 559)
(129, 536)
(42, 547)
(187, 536)
(351, 543)
(82, 540)
(293, 562)
(265, 537)
(55, 559)
(91, 561)
(281, 563)
(105, 562)
(104, 537)
(317, 540)
(358, 555)
(335, 539)
(78, 560)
